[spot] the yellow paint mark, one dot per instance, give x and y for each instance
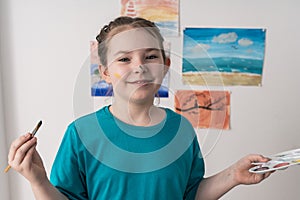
(117, 75)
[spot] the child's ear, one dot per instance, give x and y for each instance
(103, 71)
(167, 64)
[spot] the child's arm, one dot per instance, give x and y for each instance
(24, 158)
(217, 185)
(46, 191)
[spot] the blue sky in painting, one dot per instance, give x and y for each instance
(224, 42)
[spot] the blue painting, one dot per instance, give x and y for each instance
(223, 56)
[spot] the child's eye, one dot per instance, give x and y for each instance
(124, 60)
(152, 57)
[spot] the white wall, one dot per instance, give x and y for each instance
(4, 184)
(45, 45)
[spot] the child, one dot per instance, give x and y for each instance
(130, 149)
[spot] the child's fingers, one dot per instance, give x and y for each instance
(257, 158)
(22, 151)
(29, 156)
(15, 145)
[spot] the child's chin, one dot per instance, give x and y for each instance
(140, 98)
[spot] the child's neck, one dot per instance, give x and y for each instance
(138, 115)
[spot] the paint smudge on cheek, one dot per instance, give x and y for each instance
(117, 75)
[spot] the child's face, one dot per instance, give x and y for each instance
(127, 51)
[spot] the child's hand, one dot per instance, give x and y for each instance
(241, 170)
(24, 158)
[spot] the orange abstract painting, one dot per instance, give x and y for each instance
(204, 109)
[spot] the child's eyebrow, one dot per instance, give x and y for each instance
(152, 49)
(126, 52)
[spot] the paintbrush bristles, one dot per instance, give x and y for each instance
(36, 128)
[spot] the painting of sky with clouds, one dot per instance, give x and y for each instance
(236, 55)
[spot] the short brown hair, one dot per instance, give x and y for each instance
(121, 24)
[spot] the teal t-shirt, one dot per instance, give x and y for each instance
(101, 157)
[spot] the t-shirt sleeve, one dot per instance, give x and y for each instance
(67, 174)
(197, 172)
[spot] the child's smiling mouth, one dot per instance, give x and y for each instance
(140, 82)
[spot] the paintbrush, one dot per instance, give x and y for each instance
(32, 135)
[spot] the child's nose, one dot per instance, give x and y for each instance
(140, 69)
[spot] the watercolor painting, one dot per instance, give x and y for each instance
(100, 87)
(164, 13)
(223, 56)
(204, 109)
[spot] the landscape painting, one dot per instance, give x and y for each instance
(223, 56)
(164, 13)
